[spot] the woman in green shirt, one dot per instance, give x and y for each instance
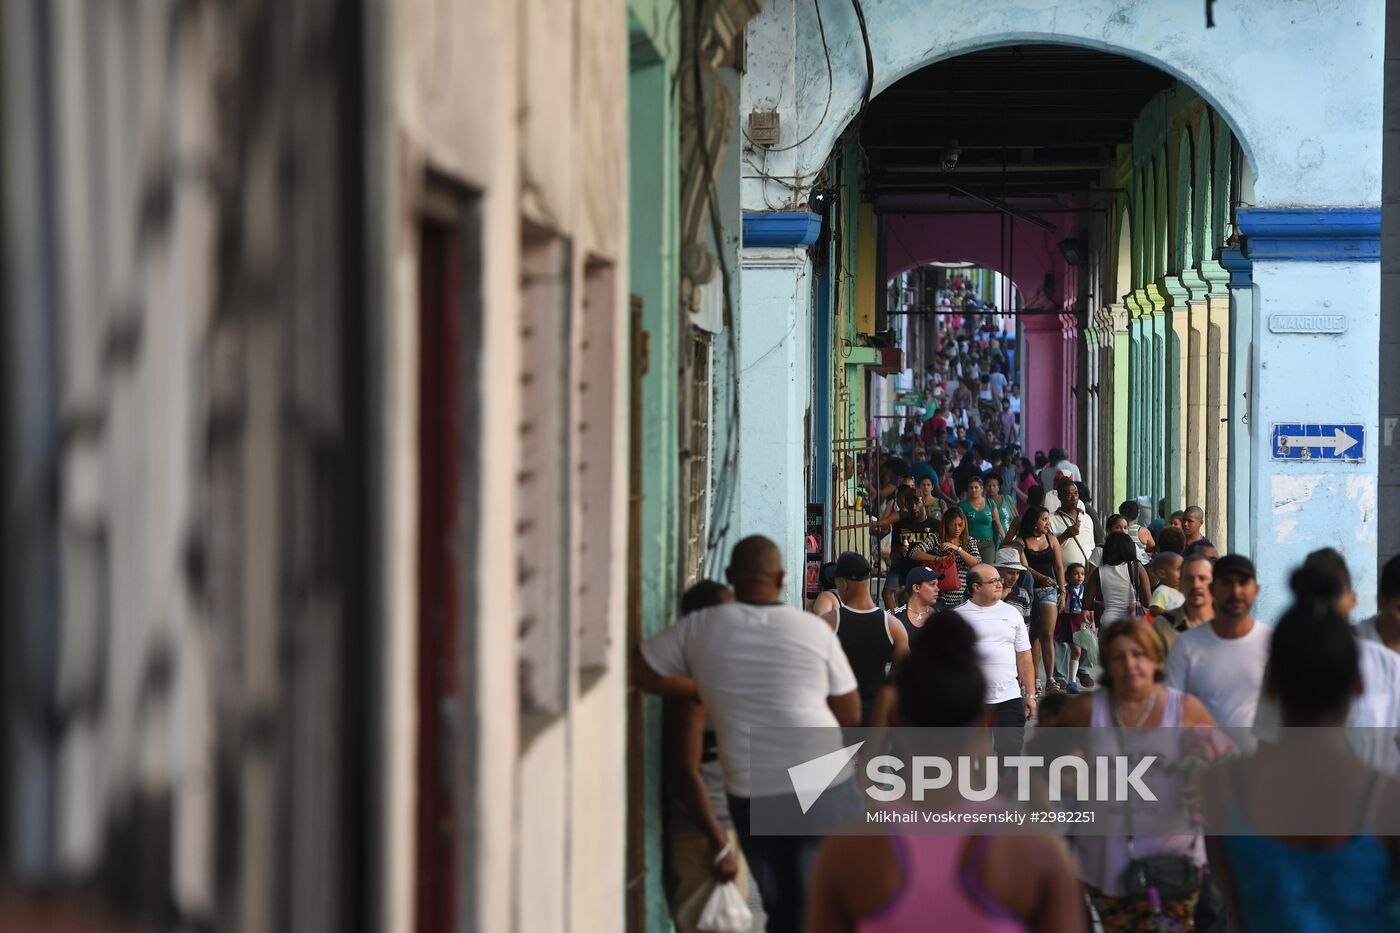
(1005, 504)
(983, 522)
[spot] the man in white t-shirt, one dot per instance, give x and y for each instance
(758, 663)
(1070, 523)
(1005, 650)
(1222, 663)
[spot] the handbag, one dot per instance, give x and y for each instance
(1155, 878)
(947, 569)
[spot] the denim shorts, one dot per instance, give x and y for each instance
(893, 579)
(1047, 595)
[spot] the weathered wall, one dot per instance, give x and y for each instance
(525, 103)
(1255, 66)
(1310, 131)
(181, 246)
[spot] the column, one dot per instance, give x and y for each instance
(1320, 369)
(1190, 397)
(1158, 399)
(774, 356)
(1089, 390)
(1239, 451)
(1134, 386)
(1215, 411)
(1122, 386)
(1178, 340)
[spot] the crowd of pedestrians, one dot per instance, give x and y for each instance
(993, 618)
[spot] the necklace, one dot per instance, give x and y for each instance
(1145, 713)
(916, 614)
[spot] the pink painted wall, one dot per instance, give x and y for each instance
(1049, 358)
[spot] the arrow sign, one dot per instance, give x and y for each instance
(1345, 442)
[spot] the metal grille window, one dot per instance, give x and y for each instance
(695, 454)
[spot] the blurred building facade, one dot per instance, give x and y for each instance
(363, 398)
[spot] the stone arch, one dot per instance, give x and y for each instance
(978, 239)
(902, 43)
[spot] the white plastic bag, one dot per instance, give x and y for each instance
(725, 911)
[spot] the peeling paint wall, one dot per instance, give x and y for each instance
(1310, 128)
(1327, 378)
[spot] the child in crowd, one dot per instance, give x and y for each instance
(1165, 573)
(1071, 621)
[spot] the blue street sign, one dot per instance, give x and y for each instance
(1295, 441)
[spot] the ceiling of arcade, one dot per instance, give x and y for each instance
(1030, 122)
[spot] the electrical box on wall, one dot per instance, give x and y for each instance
(764, 128)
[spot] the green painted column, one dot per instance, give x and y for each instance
(1156, 418)
(1133, 384)
(653, 250)
(1122, 344)
(1173, 386)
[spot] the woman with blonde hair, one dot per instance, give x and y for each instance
(1133, 697)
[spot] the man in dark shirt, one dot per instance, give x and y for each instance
(915, 536)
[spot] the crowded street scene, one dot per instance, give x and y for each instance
(700, 466)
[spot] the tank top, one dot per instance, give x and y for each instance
(1103, 860)
(1293, 890)
(979, 521)
(865, 638)
(1042, 562)
(1133, 531)
(1119, 589)
(936, 886)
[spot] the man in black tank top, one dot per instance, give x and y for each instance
(869, 635)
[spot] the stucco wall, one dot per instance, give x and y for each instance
(1310, 128)
(524, 102)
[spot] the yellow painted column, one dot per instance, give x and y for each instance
(1216, 414)
(1192, 394)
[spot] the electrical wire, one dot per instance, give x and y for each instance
(869, 58)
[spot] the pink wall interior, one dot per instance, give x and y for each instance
(1026, 253)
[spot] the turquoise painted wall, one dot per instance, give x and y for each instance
(653, 178)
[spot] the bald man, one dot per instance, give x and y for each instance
(760, 664)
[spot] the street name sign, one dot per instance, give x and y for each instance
(1308, 323)
(1304, 441)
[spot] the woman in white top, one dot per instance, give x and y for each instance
(1120, 581)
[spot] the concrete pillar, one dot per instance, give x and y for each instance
(1323, 262)
(1188, 292)
(1122, 385)
(1178, 339)
(1238, 360)
(1215, 411)
(774, 383)
(1137, 388)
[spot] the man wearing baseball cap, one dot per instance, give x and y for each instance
(871, 637)
(922, 586)
(1221, 663)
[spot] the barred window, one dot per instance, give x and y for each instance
(695, 454)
